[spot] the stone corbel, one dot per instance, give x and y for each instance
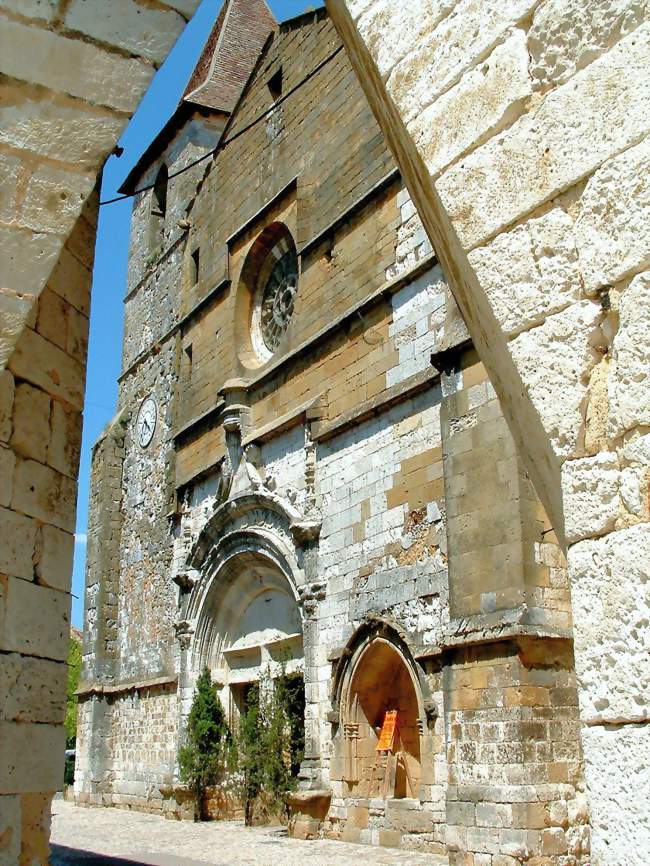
(186, 580)
(431, 712)
(236, 410)
(306, 531)
(184, 632)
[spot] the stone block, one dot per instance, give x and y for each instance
(554, 841)
(77, 336)
(65, 443)
(9, 830)
(52, 319)
(389, 838)
(493, 815)
(32, 689)
(31, 423)
(458, 43)
(42, 363)
(557, 386)
(27, 260)
(629, 383)
(408, 820)
(530, 272)
(60, 130)
(54, 567)
(595, 116)
(390, 28)
(610, 581)
(484, 101)
(7, 469)
(71, 280)
(75, 67)
(611, 230)
(591, 491)
(567, 35)
(10, 170)
(7, 392)
(618, 784)
(15, 307)
(31, 757)
(144, 31)
(44, 493)
(37, 620)
(18, 535)
(36, 818)
(44, 10)
(54, 198)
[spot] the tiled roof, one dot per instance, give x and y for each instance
(230, 53)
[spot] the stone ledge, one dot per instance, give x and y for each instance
(356, 206)
(483, 629)
(87, 690)
(376, 405)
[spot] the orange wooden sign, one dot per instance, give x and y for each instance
(387, 735)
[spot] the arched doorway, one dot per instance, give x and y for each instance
(250, 628)
(381, 725)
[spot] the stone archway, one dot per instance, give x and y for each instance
(376, 677)
(381, 684)
(249, 623)
(62, 124)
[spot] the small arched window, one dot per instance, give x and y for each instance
(158, 210)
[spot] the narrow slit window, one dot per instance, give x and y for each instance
(159, 202)
(157, 213)
(275, 85)
(195, 266)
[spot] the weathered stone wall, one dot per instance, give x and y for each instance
(103, 552)
(42, 392)
(71, 77)
(128, 742)
(130, 531)
(535, 205)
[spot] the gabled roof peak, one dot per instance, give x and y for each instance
(230, 53)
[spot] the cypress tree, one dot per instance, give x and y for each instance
(202, 758)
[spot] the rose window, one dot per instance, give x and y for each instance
(278, 299)
(275, 298)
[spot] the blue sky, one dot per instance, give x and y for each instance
(109, 277)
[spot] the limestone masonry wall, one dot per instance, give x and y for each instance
(435, 486)
(521, 131)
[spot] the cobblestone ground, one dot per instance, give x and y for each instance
(114, 837)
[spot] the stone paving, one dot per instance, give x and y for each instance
(114, 837)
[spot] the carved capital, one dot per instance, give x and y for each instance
(186, 580)
(184, 632)
(306, 531)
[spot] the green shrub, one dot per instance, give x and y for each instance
(270, 745)
(74, 669)
(204, 756)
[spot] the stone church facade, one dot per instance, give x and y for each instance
(309, 462)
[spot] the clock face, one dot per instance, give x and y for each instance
(146, 424)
